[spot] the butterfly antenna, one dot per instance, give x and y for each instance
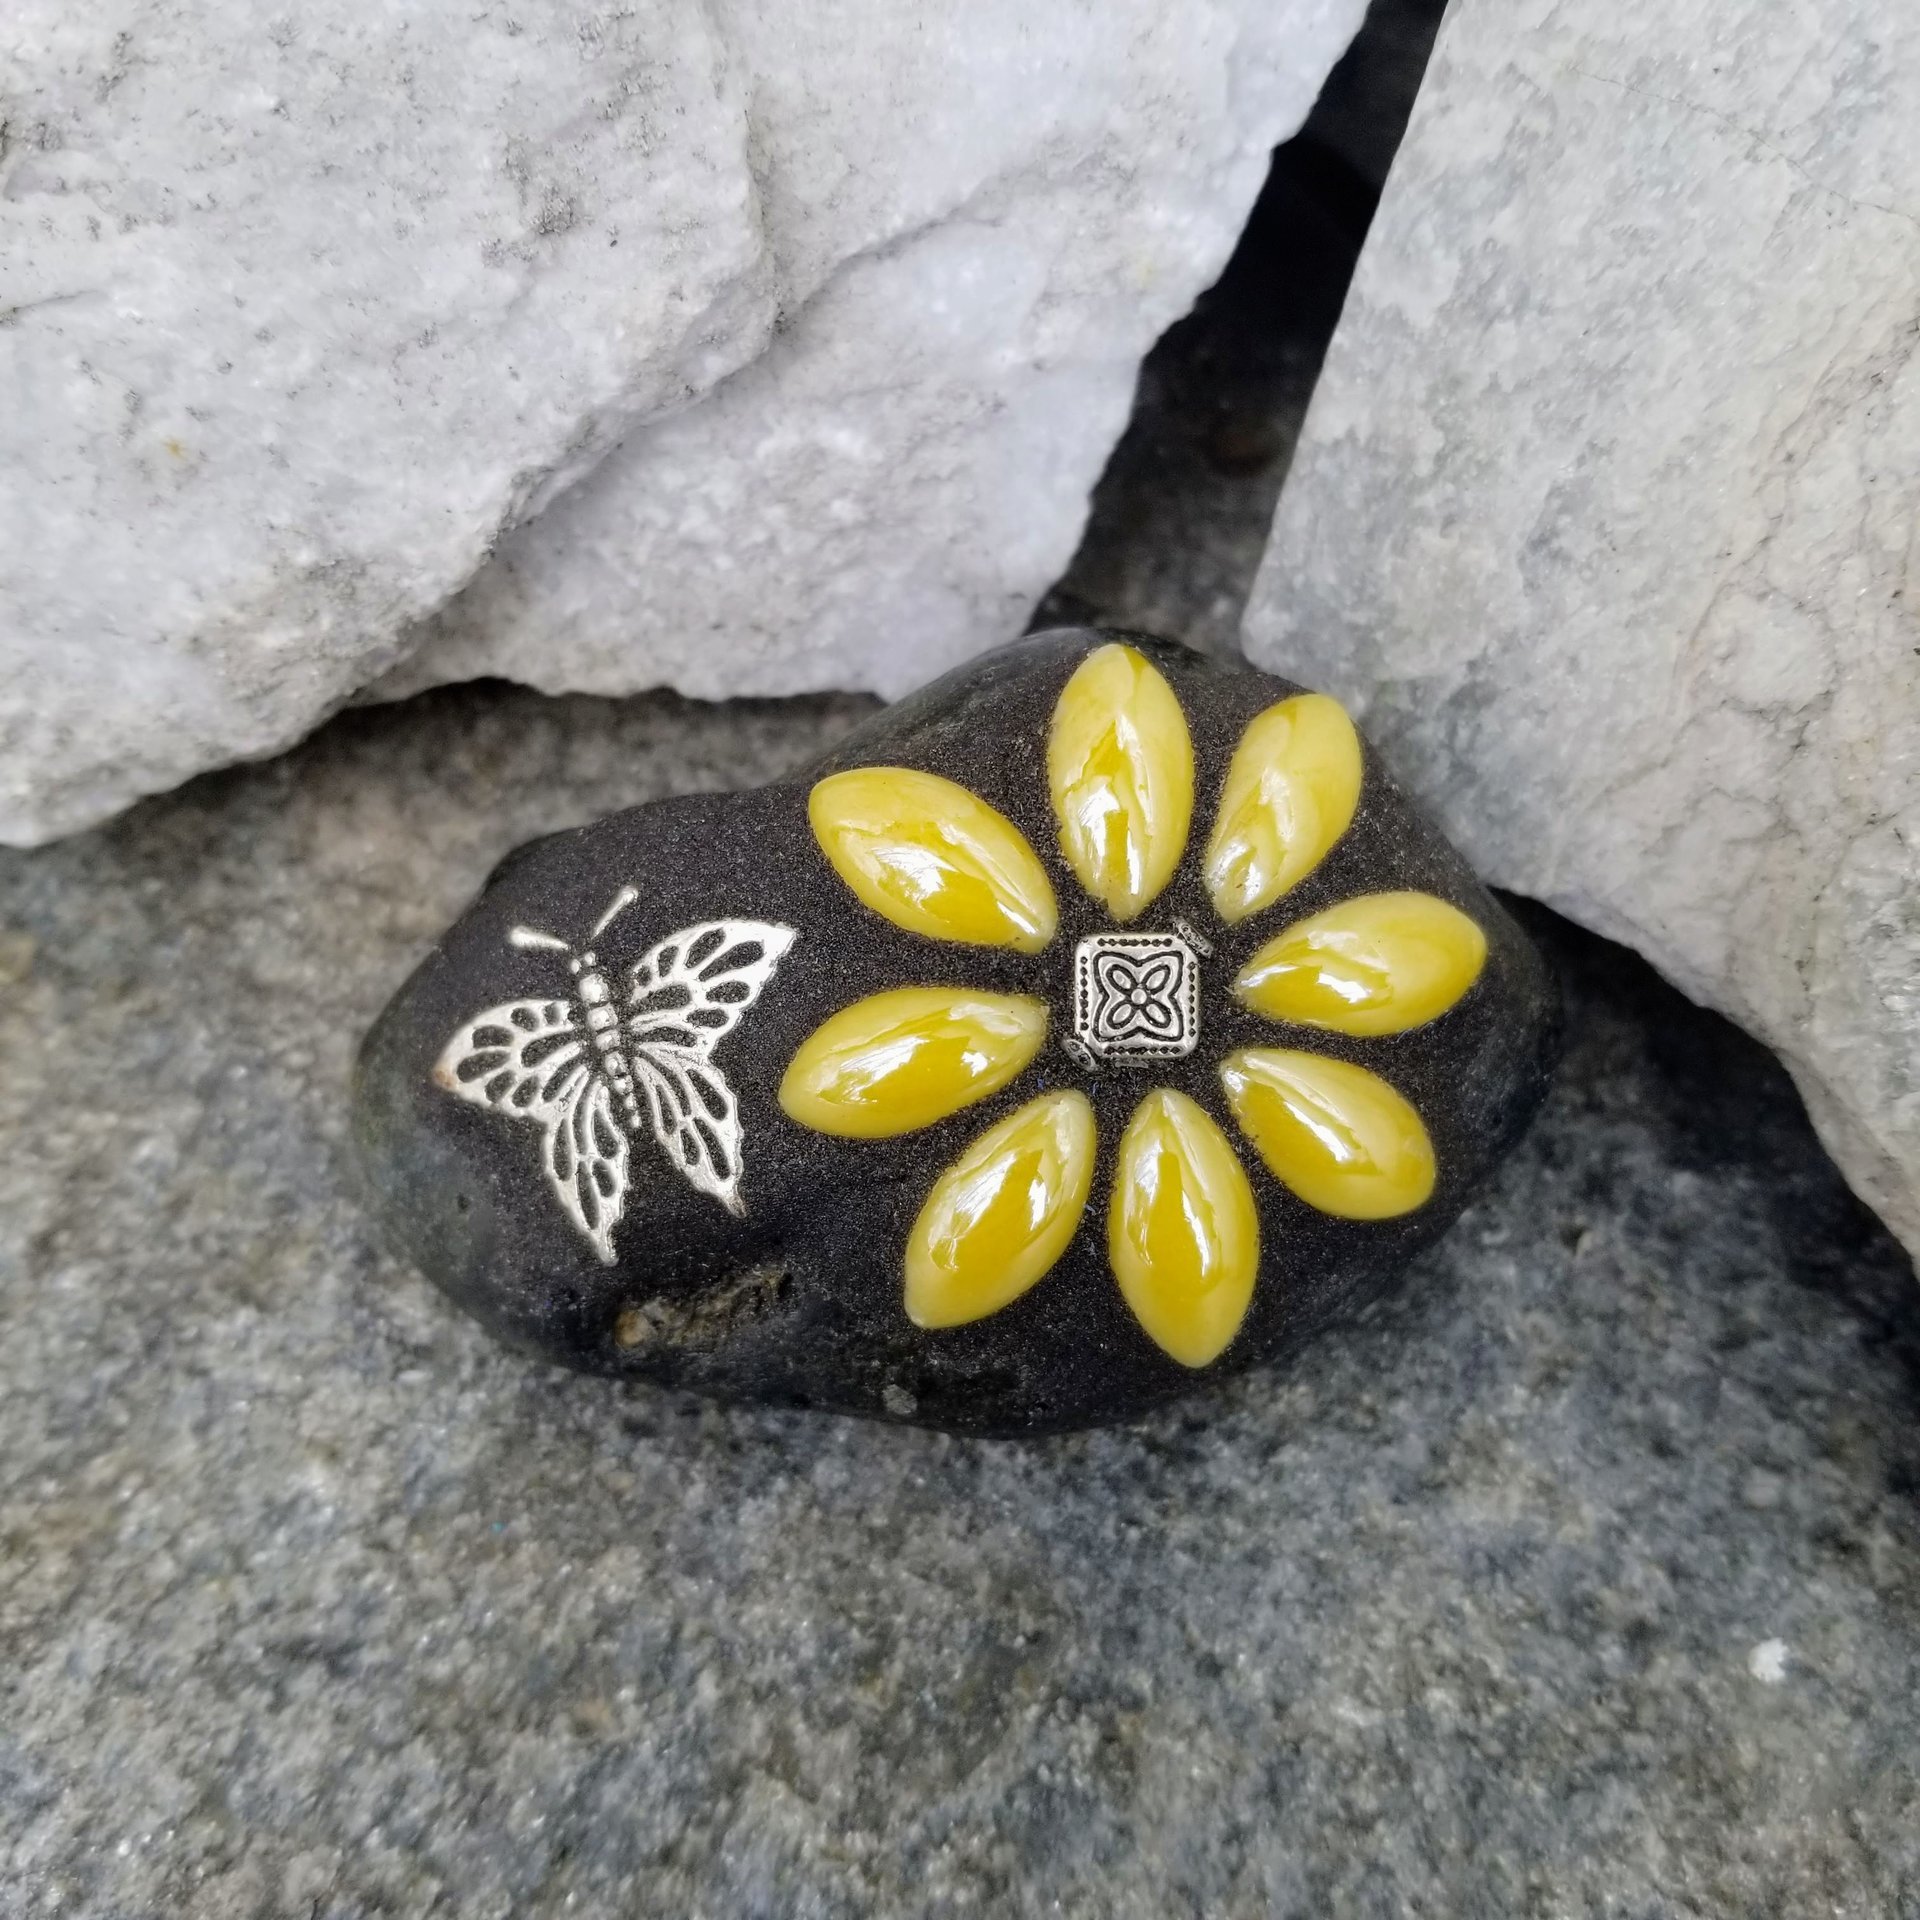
(621, 902)
(526, 938)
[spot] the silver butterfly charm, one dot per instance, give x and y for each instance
(582, 1070)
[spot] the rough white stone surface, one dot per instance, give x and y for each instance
(297, 311)
(1607, 512)
(299, 317)
(986, 218)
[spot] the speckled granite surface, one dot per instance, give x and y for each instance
(1583, 1580)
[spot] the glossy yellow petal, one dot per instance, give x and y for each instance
(932, 858)
(1183, 1234)
(1380, 963)
(1002, 1214)
(1290, 793)
(902, 1060)
(1337, 1135)
(1120, 769)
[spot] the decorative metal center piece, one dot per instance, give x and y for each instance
(1136, 996)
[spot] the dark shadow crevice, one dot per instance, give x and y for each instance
(1179, 519)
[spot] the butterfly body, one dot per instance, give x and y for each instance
(587, 1069)
(603, 1025)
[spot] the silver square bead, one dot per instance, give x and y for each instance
(1136, 996)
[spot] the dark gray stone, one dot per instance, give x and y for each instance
(798, 1301)
(1583, 1577)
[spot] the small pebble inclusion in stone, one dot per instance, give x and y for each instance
(1097, 1023)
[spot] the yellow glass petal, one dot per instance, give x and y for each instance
(932, 858)
(1120, 769)
(902, 1060)
(1337, 1135)
(1380, 963)
(1290, 793)
(1183, 1234)
(1002, 1214)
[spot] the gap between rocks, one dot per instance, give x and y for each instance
(1179, 519)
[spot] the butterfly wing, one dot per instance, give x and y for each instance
(695, 1118)
(691, 990)
(528, 1060)
(585, 1154)
(688, 993)
(525, 1059)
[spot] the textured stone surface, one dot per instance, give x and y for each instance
(893, 485)
(798, 1299)
(301, 319)
(299, 315)
(1604, 515)
(1586, 1578)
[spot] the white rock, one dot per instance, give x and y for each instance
(301, 309)
(980, 266)
(307, 318)
(886, 490)
(1607, 513)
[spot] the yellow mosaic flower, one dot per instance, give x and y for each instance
(1183, 1226)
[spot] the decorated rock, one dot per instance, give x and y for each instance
(1097, 1023)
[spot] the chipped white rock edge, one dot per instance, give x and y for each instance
(1607, 512)
(299, 322)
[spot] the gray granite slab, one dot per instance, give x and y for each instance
(1584, 1580)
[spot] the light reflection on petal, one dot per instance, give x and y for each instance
(1002, 1214)
(1377, 964)
(898, 1061)
(1290, 793)
(1333, 1133)
(1183, 1234)
(1120, 773)
(933, 858)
